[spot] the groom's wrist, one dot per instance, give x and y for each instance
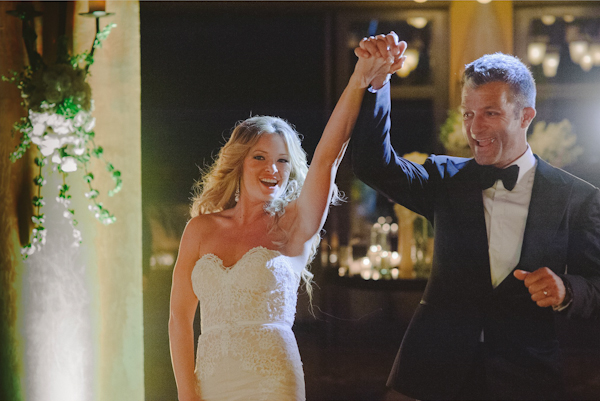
(379, 83)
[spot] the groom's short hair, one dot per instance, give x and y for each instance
(500, 67)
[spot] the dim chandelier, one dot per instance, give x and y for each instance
(60, 124)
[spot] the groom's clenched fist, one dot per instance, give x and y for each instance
(545, 287)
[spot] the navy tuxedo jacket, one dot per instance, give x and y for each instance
(562, 232)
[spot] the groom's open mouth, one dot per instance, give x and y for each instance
(485, 142)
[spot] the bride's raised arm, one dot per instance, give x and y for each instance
(313, 203)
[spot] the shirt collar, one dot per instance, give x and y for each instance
(526, 162)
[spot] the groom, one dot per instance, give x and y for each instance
(516, 241)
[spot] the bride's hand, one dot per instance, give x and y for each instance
(386, 54)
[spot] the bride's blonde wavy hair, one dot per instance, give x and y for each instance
(216, 189)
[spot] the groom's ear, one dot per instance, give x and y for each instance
(527, 117)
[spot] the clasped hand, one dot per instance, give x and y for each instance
(379, 57)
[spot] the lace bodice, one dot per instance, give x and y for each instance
(260, 287)
(247, 311)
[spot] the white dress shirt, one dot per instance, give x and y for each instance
(505, 217)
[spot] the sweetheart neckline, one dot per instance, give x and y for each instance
(228, 268)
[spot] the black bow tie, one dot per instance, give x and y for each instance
(490, 174)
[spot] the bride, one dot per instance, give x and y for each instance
(255, 227)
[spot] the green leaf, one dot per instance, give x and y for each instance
(102, 35)
(92, 194)
(39, 180)
(38, 201)
(88, 177)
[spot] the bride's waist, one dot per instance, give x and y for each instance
(237, 324)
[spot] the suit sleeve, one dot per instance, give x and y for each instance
(375, 162)
(583, 269)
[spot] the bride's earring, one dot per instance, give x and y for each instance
(237, 193)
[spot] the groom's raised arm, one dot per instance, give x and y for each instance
(371, 147)
(374, 160)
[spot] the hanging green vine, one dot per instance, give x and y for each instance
(60, 124)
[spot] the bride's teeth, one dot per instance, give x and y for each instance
(269, 182)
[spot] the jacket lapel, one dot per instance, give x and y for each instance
(466, 200)
(549, 200)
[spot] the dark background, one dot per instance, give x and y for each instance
(207, 66)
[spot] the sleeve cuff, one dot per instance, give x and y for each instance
(373, 90)
(568, 298)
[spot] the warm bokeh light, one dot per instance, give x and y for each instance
(417, 22)
(577, 49)
(586, 62)
(550, 64)
(412, 60)
(536, 52)
(548, 19)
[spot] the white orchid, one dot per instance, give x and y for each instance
(68, 164)
(80, 118)
(90, 125)
(47, 144)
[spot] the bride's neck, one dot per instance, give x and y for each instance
(244, 213)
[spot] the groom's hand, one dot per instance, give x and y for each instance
(545, 287)
(386, 46)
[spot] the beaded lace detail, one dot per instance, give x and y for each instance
(247, 311)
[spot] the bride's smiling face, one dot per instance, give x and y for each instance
(266, 169)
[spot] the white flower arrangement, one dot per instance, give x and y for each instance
(60, 125)
(452, 136)
(555, 143)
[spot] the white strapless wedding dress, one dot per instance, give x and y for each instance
(247, 350)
